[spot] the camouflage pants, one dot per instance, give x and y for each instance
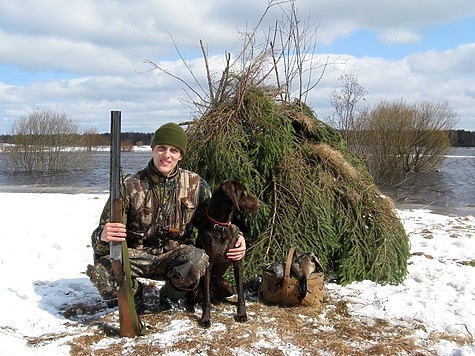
(182, 267)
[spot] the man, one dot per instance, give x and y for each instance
(162, 205)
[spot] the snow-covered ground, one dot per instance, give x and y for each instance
(45, 249)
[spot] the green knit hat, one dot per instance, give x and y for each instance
(172, 135)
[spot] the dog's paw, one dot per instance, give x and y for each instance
(205, 323)
(241, 318)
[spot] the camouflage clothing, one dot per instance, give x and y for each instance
(159, 213)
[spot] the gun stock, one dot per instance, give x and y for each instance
(130, 325)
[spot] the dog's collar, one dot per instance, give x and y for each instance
(218, 225)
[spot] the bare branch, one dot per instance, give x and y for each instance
(156, 66)
(224, 80)
(208, 73)
(190, 70)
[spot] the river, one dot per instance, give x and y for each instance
(449, 188)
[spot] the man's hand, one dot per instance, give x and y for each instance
(113, 232)
(238, 252)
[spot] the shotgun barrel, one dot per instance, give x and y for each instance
(115, 196)
(130, 324)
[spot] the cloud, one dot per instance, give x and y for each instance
(425, 76)
(457, 61)
(399, 37)
(95, 49)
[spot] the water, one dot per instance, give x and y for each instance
(94, 180)
(449, 187)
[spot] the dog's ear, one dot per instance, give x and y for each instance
(232, 191)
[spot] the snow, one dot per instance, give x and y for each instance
(46, 237)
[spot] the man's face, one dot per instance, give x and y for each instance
(166, 158)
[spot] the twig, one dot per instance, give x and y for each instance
(208, 74)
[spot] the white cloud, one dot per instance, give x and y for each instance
(101, 46)
(454, 61)
(399, 37)
(426, 76)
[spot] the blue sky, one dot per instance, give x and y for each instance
(11, 74)
(439, 37)
(85, 57)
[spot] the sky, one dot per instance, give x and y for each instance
(45, 307)
(86, 58)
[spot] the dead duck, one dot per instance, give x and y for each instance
(276, 268)
(301, 268)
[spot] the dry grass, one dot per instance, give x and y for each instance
(270, 330)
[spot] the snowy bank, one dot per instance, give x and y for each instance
(48, 304)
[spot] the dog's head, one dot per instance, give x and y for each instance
(241, 199)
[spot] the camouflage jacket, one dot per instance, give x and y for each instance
(157, 209)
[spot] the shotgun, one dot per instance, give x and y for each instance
(130, 324)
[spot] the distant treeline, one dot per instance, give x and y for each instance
(135, 138)
(102, 139)
(461, 138)
(464, 138)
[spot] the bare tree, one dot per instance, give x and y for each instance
(46, 141)
(90, 138)
(345, 101)
(431, 139)
(401, 138)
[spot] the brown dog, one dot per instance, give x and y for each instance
(216, 238)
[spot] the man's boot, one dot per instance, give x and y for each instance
(138, 297)
(169, 296)
(104, 281)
